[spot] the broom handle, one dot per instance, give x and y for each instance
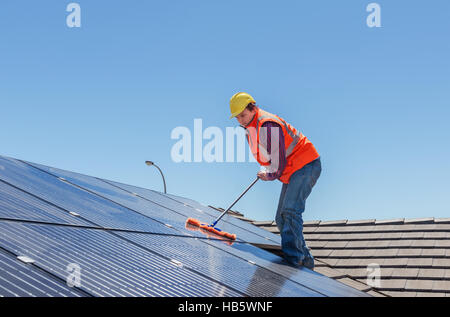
(223, 213)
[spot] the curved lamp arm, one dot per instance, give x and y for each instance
(150, 163)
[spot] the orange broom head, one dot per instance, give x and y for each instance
(206, 227)
(193, 222)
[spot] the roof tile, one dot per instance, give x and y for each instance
(368, 229)
(386, 253)
(407, 227)
(321, 253)
(405, 273)
(425, 227)
(412, 235)
(357, 244)
(378, 243)
(443, 227)
(393, 284)
(433, 252)
(272, 229)
(325, 229)
(390, 221)
(400, 293)
(410, 252)
(350, 262)
(333, 223)
(334, 236)
(336, 244)
(443, 286)
(386, 272)
(376, 294)
(442, 243)
(442, 220)
(313, 236)
(263, 223)
(369, 261)
(311, 223)
(444, 263)
(330, 272)
(423, 243)
(436, 235)
(419, 220)
(363, 236)
(361, 222)
(420, 262)
(419, 285)
(309, 229)
(364, 253)
(431, 273)
(341, 253)
(355, 273)
(392, 235)
(401, 243)
(355, 284)
(329, 261)
(395, 262)
(316, 244)
(430, 294)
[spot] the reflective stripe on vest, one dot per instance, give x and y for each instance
(295, 136)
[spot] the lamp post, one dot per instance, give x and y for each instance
(150, 163)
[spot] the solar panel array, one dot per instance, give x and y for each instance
(68, 234)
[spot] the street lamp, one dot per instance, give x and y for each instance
(150, 163)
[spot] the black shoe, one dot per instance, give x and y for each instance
(308, 262)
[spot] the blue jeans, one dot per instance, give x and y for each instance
(289, 214)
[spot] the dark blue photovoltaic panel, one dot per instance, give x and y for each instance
(16, 204)
(110, 265)
(90, 207)
(238, 273)
(167, 211)
(164, 260)
(304, 276)
(242, 229)
(18, 279)
(122, 268)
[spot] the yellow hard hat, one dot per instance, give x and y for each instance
(239, 102)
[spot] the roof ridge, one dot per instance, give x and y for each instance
(365, 222)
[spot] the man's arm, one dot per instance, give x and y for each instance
(274, 141)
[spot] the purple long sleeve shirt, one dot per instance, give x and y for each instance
(276, 168)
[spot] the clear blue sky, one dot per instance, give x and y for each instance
(103, 98)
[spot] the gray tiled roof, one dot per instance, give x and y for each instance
(413, 255)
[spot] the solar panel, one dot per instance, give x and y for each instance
(18, 279)
(128, 241)
(92, 208)
(304, 276)
(194, 209)
(238, 273)
(155, 206)
(166, 266)
(17, 204)
(109, 265)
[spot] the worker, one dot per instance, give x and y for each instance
(286, 155)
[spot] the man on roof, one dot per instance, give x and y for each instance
(287, 155)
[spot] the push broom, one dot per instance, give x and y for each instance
(212, 227)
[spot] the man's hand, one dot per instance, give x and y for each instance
(263, 175)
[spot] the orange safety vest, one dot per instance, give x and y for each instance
(299, 150)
